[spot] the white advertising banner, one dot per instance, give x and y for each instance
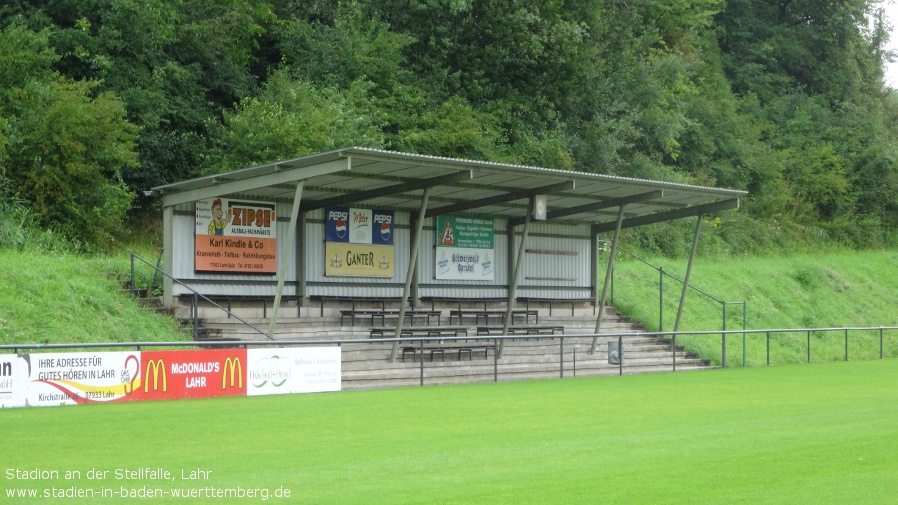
(465, 248)
(80, 377)
(10, 381)
(298, 370)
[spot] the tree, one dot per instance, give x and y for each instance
(66, 144)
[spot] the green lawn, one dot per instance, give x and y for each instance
(821, 433)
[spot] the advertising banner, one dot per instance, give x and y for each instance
(80, 377)
(358, 242)
(465, 248)
(358, 226)
(192, 374)
(298, 370)
(358, 260)
(10, 382)
(235, 236)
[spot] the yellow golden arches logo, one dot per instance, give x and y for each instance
(158, 366)
(232, 364)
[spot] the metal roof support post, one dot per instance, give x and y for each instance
(168, 216)
(519, 263)
(698, 229)
(291, 239)
(412, 264)
(608, 273)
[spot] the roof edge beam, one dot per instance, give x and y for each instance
(359, 196)
(236, 186)
(605, 204)
(659, 217)
(503, 198)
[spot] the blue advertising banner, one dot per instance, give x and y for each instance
(358, 226)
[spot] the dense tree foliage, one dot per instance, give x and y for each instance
(783, 98)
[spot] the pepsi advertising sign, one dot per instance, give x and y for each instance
(358, 226)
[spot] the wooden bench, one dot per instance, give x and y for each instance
(417, 352)
(383, 314)
(486, 314)
(419, 331)
(522, 330)
(357, 301)
(226, 301)
(458, 301)
(552, 301)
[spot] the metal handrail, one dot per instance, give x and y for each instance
(662, 273)
(465, 338)
(194, 304)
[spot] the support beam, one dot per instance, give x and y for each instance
(503, 198)
(605, 204)
(412, 264)
(291, 175)
(282, 271)
(659, 217)
(393, 189)
(168, 253)
(519, 265)
(608, 273)
(695, 237)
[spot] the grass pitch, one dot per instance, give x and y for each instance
(822, 433)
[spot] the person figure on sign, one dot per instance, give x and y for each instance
(217, 226)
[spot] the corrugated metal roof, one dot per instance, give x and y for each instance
(389, 180)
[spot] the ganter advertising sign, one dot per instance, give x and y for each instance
(235, 236)
(465, 248)
(358, 242)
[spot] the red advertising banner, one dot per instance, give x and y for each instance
(191, 374)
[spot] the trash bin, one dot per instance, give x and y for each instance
(615, 356)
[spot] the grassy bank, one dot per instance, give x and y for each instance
(63, 297)
(840, 289)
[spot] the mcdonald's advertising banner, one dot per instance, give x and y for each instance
(235, 236)
(50, 379)
(358, 242)
(465, 248)
(170, 375)
(284, 371)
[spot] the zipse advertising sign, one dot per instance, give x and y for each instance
(50, 379)
(235, 236)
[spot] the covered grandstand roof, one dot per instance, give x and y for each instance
(396, 181)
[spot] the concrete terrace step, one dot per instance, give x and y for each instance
(366, 365)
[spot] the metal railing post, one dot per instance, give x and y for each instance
(660, 298)
(561, 356)
(422, 362)
(673, 348)
(620, 355)
(495, 360)
(743, 333)
(196, 316)
(723, 338)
